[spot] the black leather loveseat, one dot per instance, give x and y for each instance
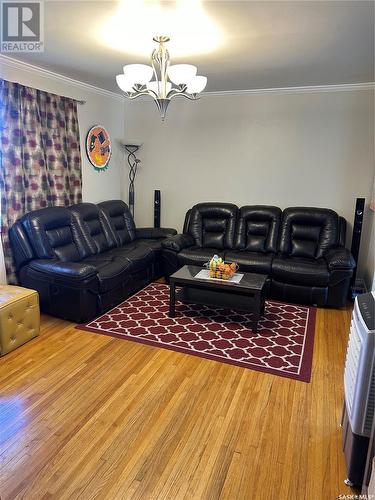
(86, 258)
(302, 250)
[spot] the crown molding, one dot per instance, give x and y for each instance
(308, 89)
(30, 68)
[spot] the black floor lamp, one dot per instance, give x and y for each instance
(133, 162)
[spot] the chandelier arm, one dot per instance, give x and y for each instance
(164, 63)
(149, 93)
(173, 92)
(138, 94)
(155, 72)
(176, 90)
(158, 104)
(191, 97)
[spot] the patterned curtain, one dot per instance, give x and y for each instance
(40, 159)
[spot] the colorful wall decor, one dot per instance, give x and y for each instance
(98, 147)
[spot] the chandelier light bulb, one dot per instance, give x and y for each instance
(143, 80)
(124, 83)
(197, 85)
(138, 73)
(182, 73)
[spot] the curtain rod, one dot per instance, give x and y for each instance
(78, 101)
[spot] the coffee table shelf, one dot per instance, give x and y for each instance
(248, 295)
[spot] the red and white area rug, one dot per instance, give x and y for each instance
(283, 345)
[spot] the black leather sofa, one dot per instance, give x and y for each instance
(86, 258)
(301, 249)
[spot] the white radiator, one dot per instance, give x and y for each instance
(359, 374)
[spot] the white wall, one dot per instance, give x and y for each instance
(100, 108)
(310, 149)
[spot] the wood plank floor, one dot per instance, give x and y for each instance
(88, 416)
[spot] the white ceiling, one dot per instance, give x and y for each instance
(250, 45)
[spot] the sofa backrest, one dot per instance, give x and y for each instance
(308, 232)
(120, 220)
(258, 228)
(342, 232)
(91, 229)
(185, 228)
(213, 225)
(50, 234)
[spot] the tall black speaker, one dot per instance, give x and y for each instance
(157, 201)
(357, 232)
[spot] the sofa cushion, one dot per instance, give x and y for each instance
(308, 232)
(140, 256)
(91, 229)
(197, 256)
(50, 233)
(112, 270)
(154, 245)
(300, 271)
(258, 228)
(212, 225)
(120, 220)
(251, 262)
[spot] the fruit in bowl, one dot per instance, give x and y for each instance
(220, 269)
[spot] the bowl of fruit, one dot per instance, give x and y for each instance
(219, 269)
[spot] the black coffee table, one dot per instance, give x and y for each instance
(247, 295)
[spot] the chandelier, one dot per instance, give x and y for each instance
(143, 80)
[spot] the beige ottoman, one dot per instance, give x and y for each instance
(19, 317)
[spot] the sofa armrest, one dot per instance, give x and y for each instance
(178, 242)
(71, 271)
(339, 258)
(154, 232)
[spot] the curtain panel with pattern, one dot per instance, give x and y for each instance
(40, 158)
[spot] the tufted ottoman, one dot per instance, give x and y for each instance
(19, 317)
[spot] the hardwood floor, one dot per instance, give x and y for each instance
(88, 416)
